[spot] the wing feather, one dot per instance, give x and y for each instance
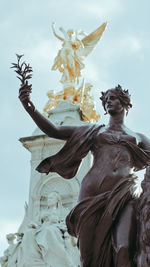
(91, 40)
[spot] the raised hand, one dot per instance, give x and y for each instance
(24, 95)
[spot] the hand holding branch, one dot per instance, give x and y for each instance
(24, 74)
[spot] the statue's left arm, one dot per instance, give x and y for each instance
(145, 142)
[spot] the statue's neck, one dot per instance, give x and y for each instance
(116, 121)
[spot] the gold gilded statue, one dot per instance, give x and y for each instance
(69, 60)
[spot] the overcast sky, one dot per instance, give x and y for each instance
(122, 56)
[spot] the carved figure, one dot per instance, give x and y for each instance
(81, 96)
(50, 238)
(11, 254)
(88, 105)
(9, 251)
(104, 219)
(51, 243)
(69, 59)
(43, 242)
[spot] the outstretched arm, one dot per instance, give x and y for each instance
(62, 132)
(64, 32)
(53, 29)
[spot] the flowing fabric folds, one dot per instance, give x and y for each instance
(77, 147)
(92, 222)
(66, 162)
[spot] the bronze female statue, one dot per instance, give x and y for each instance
(104, 219)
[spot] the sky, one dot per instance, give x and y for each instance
(121, 57)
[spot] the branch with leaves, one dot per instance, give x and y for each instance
(22, 69)
(24, 72)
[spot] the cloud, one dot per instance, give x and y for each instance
(124, 45)
(102, 9)
(43, 52)
(91, 71)
(131, 43)
(134, 43)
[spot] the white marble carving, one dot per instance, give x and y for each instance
(44, 243)
(12, 255)
(42, 238)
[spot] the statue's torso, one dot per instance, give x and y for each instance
(112, 160)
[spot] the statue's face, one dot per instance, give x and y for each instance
(70, 33)
(113, 105)
(10, 237)
(54, 207)
(53, 200)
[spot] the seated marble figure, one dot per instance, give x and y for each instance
(43, 243)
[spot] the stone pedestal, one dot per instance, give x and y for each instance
(51, 197)
(41, 146)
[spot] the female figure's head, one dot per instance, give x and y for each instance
(70, 33)
(116, 100)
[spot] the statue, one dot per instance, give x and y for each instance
(9, 251)
(104, 220)
(81, 97)
(69, 60)
(12, 253)
(44, 242)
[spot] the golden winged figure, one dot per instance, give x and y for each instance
(69, 60)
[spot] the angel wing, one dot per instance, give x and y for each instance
(90, 41)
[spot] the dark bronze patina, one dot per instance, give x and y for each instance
(104, 220)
